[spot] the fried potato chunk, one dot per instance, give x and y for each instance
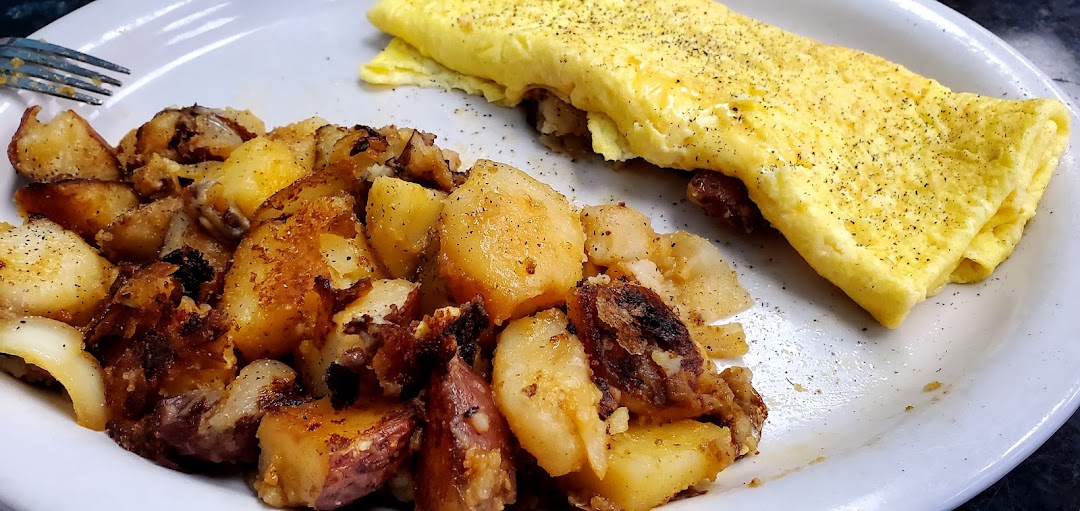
(255, 170)
(219, 426)
(386, 301)
(686, 270)
(402, 218)
(510, 239)
(466, 460)
(138, 234)
(85, 206)
(650, 464)
(644, 357)
(189, 135)
(270, 288)
(63, 148)
(51, 272)
(299, 137)
(316, 456)
(543, 385)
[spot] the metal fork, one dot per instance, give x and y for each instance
(22, 60)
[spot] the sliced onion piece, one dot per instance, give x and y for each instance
(57, 348)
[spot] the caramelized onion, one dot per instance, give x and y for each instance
(57, 348)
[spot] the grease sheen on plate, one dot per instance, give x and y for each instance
(1002, 349)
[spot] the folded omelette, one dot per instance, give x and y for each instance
(889, 184)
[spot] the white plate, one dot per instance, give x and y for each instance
(1004, 349)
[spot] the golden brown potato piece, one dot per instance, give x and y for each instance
(466, 456)
(402, 218)
(334, 180)
(617, 234)
(299, 137)
(270, 289)
(64, 148)
(316, 456)
(51, 272)
(650, 464)
(85, 206)
(254, 172)
(189, 135)
(347, 161)
(543, 386)
(138, 234)
(510, 239)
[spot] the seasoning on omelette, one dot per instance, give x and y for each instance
(889, 184)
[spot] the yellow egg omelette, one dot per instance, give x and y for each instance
(889, 184)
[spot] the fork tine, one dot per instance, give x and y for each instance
(22, 82)
(55, 63)
(49, 75)
(66, 52)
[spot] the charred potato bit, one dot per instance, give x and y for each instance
(162, 177)
(201, 258)
(466, 459)
(64, 148)
(316, 456)
(341, 353)
(640, 349)
(219, 426)
(643, 354)
(154, 343)
(422, 162)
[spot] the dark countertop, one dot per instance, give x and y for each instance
(1048, 33)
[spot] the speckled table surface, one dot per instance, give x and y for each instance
(1048, 33)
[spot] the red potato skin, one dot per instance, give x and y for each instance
(357, 473)
(466, 455)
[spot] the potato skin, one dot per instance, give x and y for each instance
(510, 239)
(84, 206)
(466, 461)
(63, 148)
(316, 456)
